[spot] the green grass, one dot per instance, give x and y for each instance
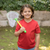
(9, 42)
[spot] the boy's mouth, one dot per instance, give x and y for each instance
(27, 15)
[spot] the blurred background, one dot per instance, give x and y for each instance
(41, 14)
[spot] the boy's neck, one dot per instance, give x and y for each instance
(28, 20)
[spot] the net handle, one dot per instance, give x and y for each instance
(19, 24)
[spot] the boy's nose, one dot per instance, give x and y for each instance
(27, 12)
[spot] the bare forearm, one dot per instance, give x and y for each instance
(20, 31)
(37, 40)
(17, 33)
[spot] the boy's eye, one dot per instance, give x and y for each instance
(28, 11)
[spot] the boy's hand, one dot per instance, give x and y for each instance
(36, 48)
(22, 29)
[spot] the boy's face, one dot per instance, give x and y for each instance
(27, 13)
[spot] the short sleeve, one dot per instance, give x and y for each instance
(17, 27)
(37, 30)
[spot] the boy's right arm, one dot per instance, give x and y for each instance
(20, 31)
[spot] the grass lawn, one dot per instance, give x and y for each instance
(9, 42)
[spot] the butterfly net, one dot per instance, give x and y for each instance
(11, 16)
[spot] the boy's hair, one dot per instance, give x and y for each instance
(28, 6)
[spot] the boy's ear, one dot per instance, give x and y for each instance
(22, 14)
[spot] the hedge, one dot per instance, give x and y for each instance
(41, 5)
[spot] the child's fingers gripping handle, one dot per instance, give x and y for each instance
(21, 26)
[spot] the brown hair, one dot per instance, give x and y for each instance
(28, 6)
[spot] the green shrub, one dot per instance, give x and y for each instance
(43, 5)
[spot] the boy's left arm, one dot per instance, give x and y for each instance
(37, 41)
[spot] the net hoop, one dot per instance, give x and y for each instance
(10, 16)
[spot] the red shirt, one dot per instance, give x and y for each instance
(27, 40)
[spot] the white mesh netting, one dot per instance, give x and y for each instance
(11, 15)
